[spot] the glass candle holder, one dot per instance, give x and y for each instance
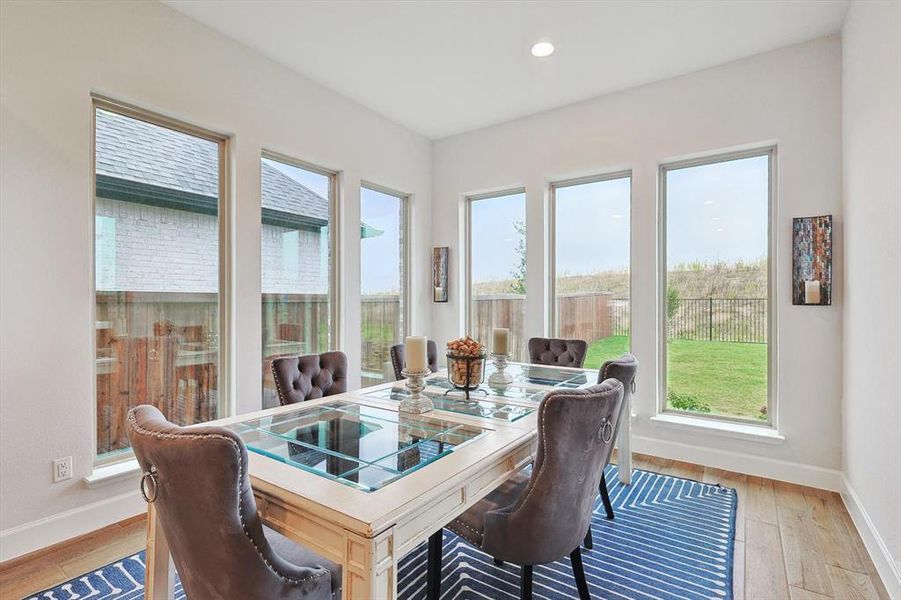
(500, 380)
(416, 403)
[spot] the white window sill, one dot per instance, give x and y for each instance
(107, 474)
(754, 433)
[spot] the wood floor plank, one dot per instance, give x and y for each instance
(850, 585)
(738, 572)
(839, 551)
(21, 584)
(684, 470)
(805, 566)
(802, 594)
(790, 495)
(764, 564)
(761, 504)
(823, 509)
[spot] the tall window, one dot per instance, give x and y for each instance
(382, 280)
(297, 266)
(716, 293)
(591, 264)
(157, 195)
(497, 268)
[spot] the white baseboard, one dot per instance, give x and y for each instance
(888, 568)
(771, 468)
(57, 528)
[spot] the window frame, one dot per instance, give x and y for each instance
(467, 282)
(224, 142)
(334, 282)
(405, 285)
(552, 240)
(771, 152)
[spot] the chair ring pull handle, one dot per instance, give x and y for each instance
(150, 485)
(607, 431)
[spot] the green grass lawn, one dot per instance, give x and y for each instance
(730, 378)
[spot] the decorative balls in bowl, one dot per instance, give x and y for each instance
(465, 362)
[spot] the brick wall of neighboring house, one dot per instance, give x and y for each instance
(152, 249)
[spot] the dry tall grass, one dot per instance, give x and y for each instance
(692, 280)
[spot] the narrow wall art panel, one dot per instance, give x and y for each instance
(812, 260)
(439, 273)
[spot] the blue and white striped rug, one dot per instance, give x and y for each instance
(672, 538)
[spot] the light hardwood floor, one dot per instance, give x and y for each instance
(791, 542)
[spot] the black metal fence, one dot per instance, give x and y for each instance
(718, 319)
(713, 319)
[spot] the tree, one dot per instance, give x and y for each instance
(672, 302)
(518, 286)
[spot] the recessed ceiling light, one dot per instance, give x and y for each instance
(708, 202)
(717, 219)
(542, 49)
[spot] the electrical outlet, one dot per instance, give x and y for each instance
(62, 469)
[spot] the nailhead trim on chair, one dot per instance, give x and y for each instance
(278, 387)
(543, 409)
(159, 435)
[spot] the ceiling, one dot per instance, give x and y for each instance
(442, 68)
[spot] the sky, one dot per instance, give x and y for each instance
(494, 237)
(380, 256)
(714, 212)
(718, 212)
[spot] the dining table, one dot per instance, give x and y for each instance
(361, 483)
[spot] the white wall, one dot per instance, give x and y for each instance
(790, 97)
(871, 408)
(53, 55)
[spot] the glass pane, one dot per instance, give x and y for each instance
(592, 233)
(381, 281)
(296, 264)
(717, 225)
(498, 269)
(362, 446)
(156, 249)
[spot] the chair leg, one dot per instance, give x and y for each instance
(605, 496)
(433, 573)
(588, 543)
(579, 574)
(525, 584)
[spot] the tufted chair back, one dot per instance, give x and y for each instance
(198, 482)
(575, 434)
(398, 358)
(557, 352)
(299, 378)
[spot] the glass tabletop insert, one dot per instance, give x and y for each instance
(361, 446)
(479, 405)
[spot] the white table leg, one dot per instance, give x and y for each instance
(624, 446)
(159, 578)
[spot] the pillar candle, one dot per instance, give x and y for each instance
(415, 352)
(501, 338)
(811, 292)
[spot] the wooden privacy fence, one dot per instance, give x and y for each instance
(585, 315)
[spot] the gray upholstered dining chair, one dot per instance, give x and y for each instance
(398, 358)
(198, 483)
(300, 378)
(623, 369)
(557, 352)
(539, 518)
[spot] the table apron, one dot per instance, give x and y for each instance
(370, 563)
